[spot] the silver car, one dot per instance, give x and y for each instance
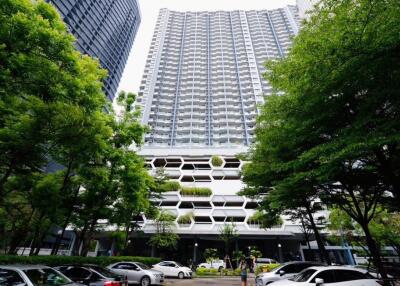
(285, 271)
(138, 273)
(32, 275)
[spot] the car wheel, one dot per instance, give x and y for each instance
(180, 275)
(145, 281)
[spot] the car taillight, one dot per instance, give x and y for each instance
(112, 283)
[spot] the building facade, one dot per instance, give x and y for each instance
(305, 6)
(104, 29)
(200, 95)
(203, 77)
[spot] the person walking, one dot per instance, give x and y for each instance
(243, 270)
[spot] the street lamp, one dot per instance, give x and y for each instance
(195, 252)
(280, 252)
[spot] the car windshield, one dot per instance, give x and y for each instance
(46, 277)
(180, 265)
(104, 272)
(304, 275)
(141, 265)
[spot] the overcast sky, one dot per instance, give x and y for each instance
(149, 8)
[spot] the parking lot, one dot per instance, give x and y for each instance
(231, 281)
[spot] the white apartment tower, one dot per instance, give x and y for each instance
(203, 78)
(200, 93)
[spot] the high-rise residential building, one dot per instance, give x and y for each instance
(305, 6)
(104, 29)
(203, 78)
(200, 95)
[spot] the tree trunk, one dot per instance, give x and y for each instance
(57, 243)
(86, 241)
(375, 252)
(322, 250)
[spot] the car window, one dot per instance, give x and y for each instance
(302, 266)
(163, 263)
(142, 265)
(126, 266)
(10, 278)
(76, 273)
(46, 276)
(327, 275)
(349, 275)
(304, 275)
(291, 268)
(170, 264)
(104, 272)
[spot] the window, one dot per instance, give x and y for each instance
(127, 266)
(349, 275)
(77, 273)
(303, 276)
(326, 275)
(46, 276)
(291, 268)
(10, 278)
(302, 266)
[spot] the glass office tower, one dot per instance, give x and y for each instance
(104, 29)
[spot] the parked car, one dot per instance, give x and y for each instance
(173, 269)
(92, 275)
(263, 261)
(285, 271)
(329, 275)
(32, 275)
(138, 273)
(215, 264)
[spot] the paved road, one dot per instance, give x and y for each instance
(229, 281)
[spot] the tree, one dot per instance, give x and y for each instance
(335, 129)
(211, 254)
(228, 233)
(44, 84)
(53, 114)
(165, 237)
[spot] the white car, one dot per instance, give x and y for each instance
(285, 271)
(173, 269)
(215, 264)
(329, 275)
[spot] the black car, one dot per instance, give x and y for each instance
(92, 275)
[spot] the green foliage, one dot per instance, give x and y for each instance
(266, 268)
(334, 133)
(210, 254)
(216, 161)
(165, 237)
(60, 260)
(255, 252)
(214, 272)
(170, 186)
(185, 219)
(53, 112)
(195, 192)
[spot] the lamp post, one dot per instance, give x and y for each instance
(195, 252)
(280, 252)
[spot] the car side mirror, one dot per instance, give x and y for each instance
(137, 269)
(281, 272)
(319, 281)
(176, 266)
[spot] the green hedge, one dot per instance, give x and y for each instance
(266, 268)
(58, 260)
(196, 192)
(214, 272)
